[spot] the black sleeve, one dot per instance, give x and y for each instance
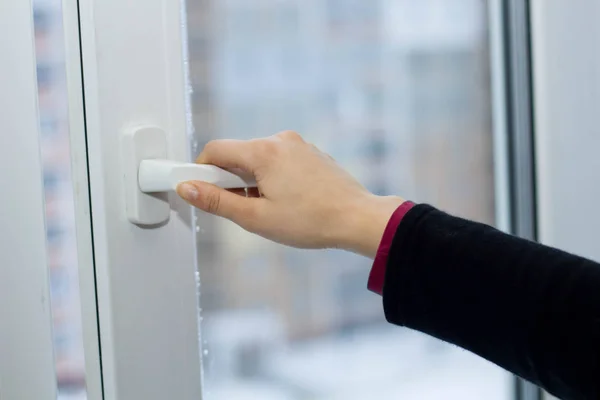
(530, 309)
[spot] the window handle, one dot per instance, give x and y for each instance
(149, 176)
(159, 175)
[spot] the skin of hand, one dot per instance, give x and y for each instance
(304, 198)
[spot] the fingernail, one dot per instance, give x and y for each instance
(188, 191)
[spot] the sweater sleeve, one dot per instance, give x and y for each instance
(377, 275)
(530, 309)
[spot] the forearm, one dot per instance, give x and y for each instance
(530, 309)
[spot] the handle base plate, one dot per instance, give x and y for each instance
(139, 144)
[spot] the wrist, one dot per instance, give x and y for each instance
(366, 223)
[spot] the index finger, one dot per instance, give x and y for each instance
(228, 154)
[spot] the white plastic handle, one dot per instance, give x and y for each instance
(164, 175)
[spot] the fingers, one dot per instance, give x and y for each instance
(228, 154)
(246, 155)
(221, 202)
(239, 153)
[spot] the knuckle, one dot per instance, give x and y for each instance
(207, 152)
(290, 135)
(211, 145)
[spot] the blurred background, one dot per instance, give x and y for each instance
(397, 91)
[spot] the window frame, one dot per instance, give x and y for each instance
(145, 277)
(566, 119)
(520, 135)
(81, 200)
(564, 36)
(26, 347)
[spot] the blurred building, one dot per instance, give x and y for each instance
(60, 232)
(396, 90)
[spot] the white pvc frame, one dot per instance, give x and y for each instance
(26, 348)
(566, 88)
(566, 65)
(133, 75)
(81, 201)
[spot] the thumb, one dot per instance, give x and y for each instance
(217, 201)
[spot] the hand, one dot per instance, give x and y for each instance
(304, 199)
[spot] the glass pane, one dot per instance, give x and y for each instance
(395, 90)
(60, 224)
